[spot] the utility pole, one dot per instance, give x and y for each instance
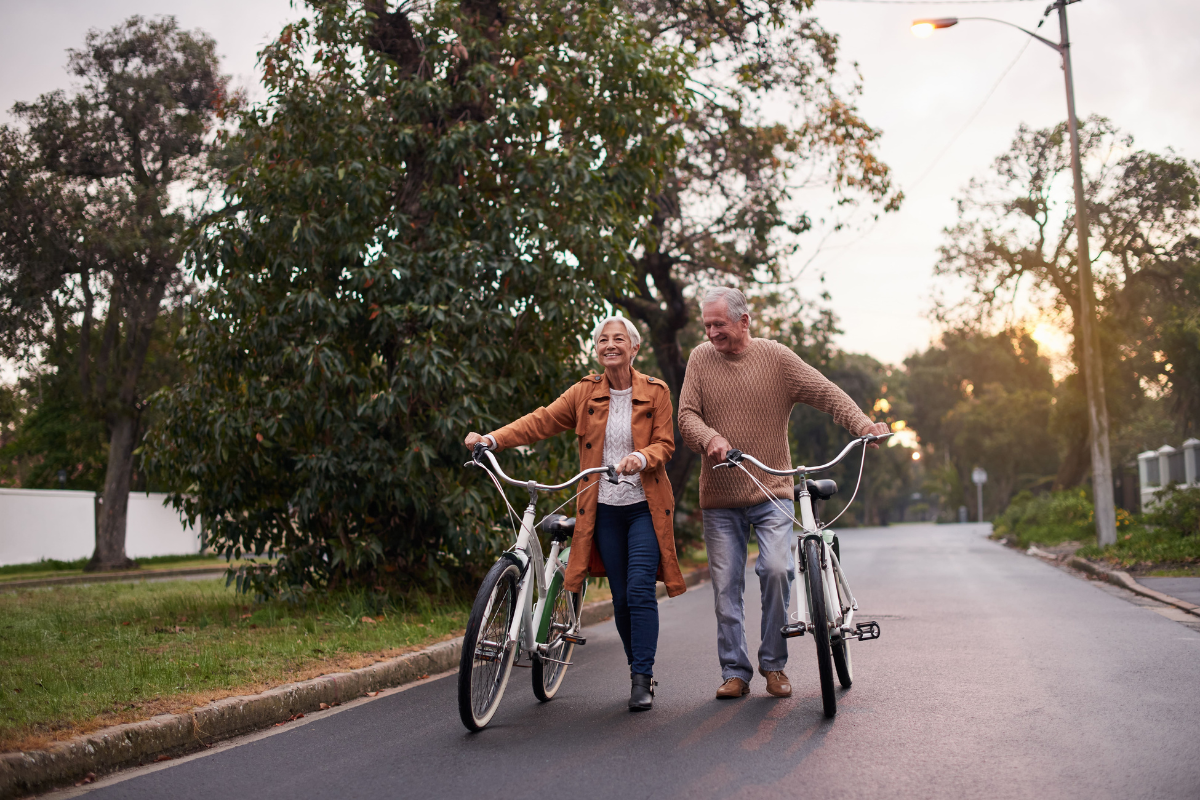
(1093, 377)
(1089, 348)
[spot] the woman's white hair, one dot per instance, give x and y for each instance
(635, 338)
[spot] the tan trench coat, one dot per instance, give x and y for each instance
(584, 408)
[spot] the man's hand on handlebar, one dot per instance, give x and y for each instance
(717, 448)
(877, 429)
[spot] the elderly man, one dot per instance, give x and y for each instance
(739, 392)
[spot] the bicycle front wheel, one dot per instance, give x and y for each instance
(487, 656)
(815, 585)
(550, 669)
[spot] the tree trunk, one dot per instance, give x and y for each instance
(110, 527)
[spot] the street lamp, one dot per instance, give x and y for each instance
(1102, 485)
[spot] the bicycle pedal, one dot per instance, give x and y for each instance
(793, 630)
(866, 631)
(572, 639)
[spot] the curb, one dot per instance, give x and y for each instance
(170, 735)
(111, 577)
(1126, 581)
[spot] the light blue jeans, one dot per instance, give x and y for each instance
(726, 535)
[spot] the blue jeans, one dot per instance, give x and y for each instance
(629, 549)
(726, 535)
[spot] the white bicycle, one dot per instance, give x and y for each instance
(505, 621)
(827, 613)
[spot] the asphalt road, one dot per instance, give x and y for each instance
(996, 676)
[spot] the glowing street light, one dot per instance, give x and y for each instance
(926, 27)
(1102, 482)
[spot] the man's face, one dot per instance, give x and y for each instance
(725, 335)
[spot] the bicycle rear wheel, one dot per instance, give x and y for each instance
(814, 584)
(487, 657)
(549, 671)
(841, 662)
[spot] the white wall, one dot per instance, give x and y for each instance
(51, 523)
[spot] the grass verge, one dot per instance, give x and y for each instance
(1149, 551)
(77, 658)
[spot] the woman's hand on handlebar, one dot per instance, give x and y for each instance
(630, 465)
(877, 429)
(473, 439)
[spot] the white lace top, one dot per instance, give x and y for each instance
(618, 443)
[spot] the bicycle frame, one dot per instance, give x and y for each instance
(527, 552)
(839, 601)
(840, 604)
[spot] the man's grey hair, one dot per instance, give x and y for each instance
(635, 338)
(735, 301)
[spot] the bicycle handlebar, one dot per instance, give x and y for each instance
(735, 457)
(481, 449)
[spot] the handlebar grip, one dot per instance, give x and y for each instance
(734, 456)
(612, 475)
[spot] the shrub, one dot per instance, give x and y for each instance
(1177, 510)
(1052, 518)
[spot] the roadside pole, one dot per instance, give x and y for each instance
(979, 478)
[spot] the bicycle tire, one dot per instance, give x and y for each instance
(548, 675)
(842, 663)
(483, 671)
(814, 582)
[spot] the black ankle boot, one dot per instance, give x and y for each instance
(641, 694)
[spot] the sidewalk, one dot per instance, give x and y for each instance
(1182, 593)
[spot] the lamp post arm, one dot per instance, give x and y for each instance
(1059, 47)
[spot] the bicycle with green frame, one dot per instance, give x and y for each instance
(522, 606)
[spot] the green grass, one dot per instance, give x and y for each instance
(1149, 549)
(1191, 572)
(74, 658)
(52, 568)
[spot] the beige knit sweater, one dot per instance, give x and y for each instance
(748, 399)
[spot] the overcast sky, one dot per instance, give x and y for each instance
(1135, 62)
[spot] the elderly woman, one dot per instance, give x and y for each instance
(622, 418)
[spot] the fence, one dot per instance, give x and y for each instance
(1166, 465)
(58, 524)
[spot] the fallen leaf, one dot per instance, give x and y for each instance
(325, 706)
(89, 778)
(245, 616)
(380, 618)
(252, 626)
(368, 619)
(126, 622)
(423, 677)
(164, 757)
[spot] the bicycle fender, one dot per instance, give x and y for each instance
(543, 631)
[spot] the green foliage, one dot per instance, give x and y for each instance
(125, 651)
(1176, 510)
(980, 400)
(1149, 549)
(1053, 518)
(429, 211)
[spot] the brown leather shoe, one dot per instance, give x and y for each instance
(777, 683)
(734, 687)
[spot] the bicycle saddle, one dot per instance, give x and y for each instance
(559, 527)
(822, 490)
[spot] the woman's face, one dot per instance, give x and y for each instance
(614, 348)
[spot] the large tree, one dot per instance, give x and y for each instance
(725, 214)
(91, 241)
(1015, 242)
(432, 205)
(979, 400)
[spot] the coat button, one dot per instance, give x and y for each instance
(649, 414)
(586, 477)
(591, 411)
(668, 512)
(588, 445)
